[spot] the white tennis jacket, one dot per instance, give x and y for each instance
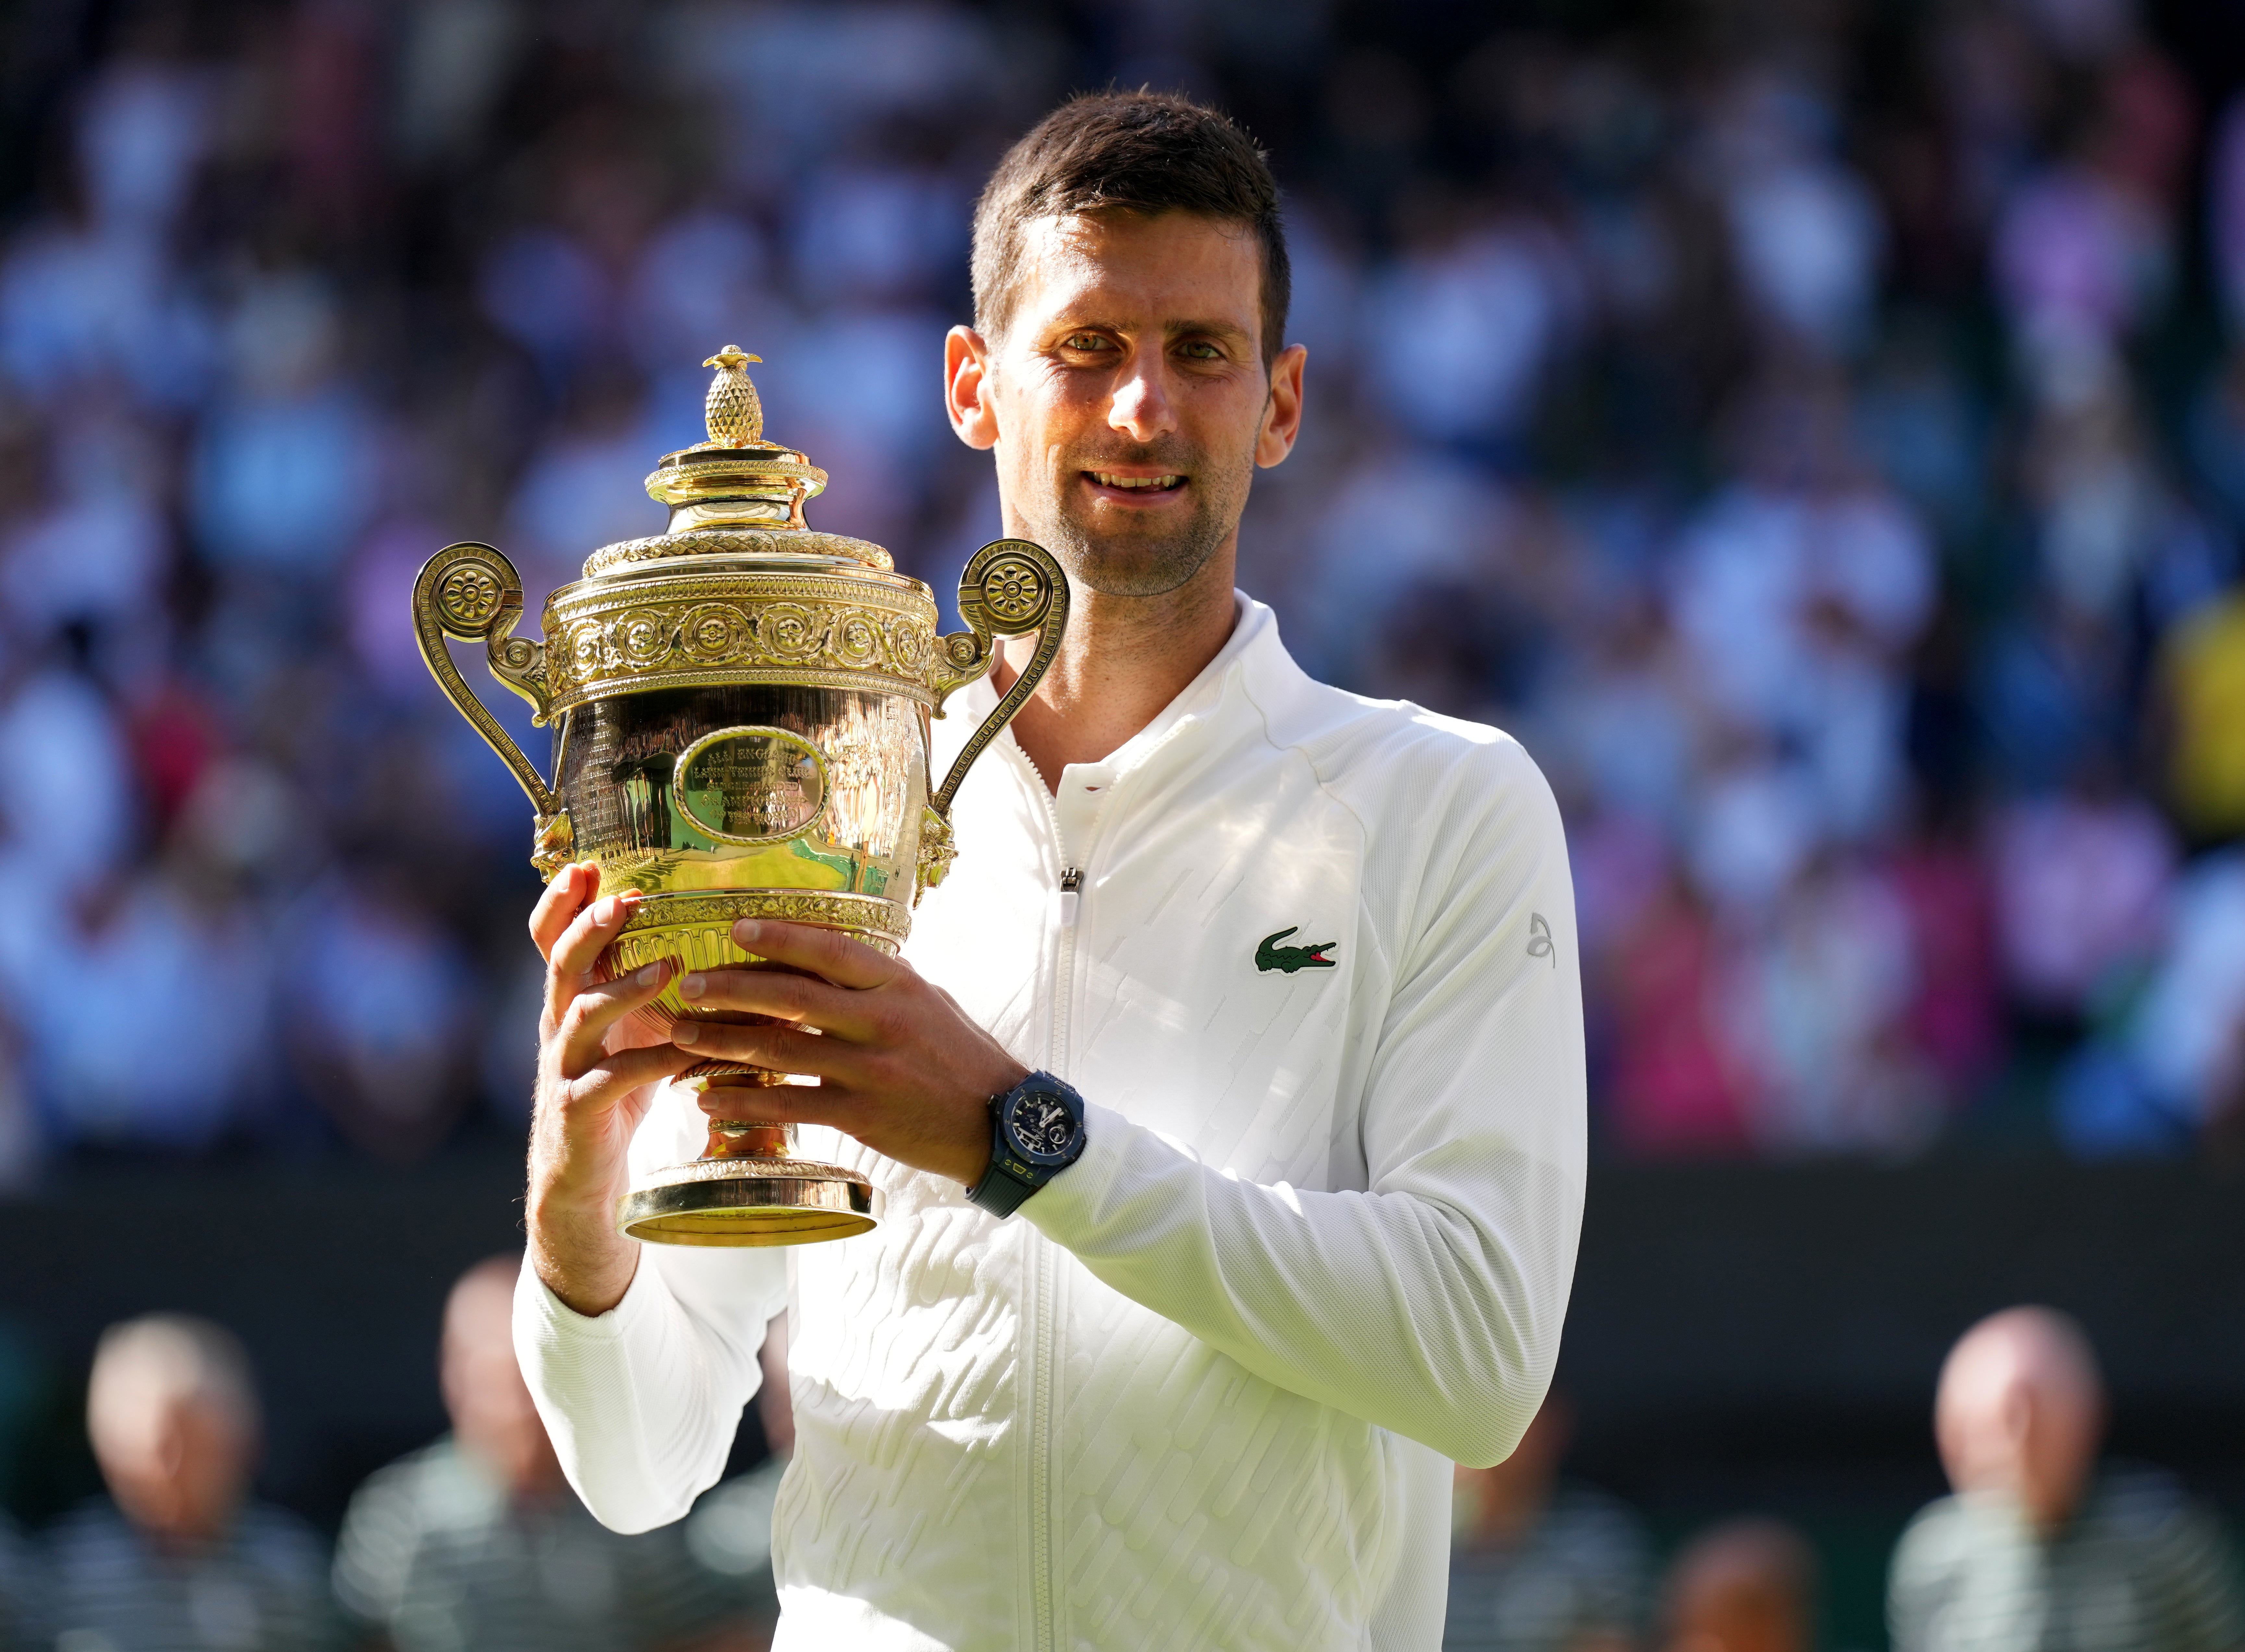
(1199, 1391)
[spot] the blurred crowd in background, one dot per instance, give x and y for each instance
(1817, 431)
(475, 1543)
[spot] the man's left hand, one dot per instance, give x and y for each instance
(900, 1067)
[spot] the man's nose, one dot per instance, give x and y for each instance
(1142, 408)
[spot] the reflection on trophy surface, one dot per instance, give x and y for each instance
(741, 711)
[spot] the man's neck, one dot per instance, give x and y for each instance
(1123, 661)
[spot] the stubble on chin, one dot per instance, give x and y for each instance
(1140, 558)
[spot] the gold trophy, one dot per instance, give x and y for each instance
(740, 708)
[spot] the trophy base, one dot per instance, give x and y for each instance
(749, 1202)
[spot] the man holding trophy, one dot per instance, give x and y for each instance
(1214, 1149)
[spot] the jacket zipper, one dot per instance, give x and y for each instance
(1043, 1280)
(1043, 1446)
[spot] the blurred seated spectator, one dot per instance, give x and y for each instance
(2204, 670)
(2038, 1546)
(1746, 1585)
(1754, 825)
(2185, 1040)
(2214, 438)
(378, 1003)
(1797, 588)
(1468, 320)
(1626, 716)
(477, 1544)
(1538, 1564)
(178, 1075)
(283, 474)
(2081, 887)
(2102, 517)
(582, 488)
(182, 1558)
(1818, 1000)
(96, 554)
(1955, 1016)
(1677, 1088)
(2169, 1068)
(66, 802)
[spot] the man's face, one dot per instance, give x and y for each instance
(493, 1418)
(177, 1465)
(2009, 1418)
(1127, 398)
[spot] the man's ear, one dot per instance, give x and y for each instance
(1282, 412)
(966, 387)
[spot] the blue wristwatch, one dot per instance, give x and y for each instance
(1036, 1131)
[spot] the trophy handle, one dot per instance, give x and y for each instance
(1010, 588)
(470, 593)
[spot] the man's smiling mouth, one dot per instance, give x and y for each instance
(1144, 483)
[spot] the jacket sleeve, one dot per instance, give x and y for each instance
(642, 1402)
(1430, 1302)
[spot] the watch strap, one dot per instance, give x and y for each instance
(999, 1192)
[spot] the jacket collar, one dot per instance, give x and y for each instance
(1252, 649)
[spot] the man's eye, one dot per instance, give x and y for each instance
(1084, 341)
(1202, 350)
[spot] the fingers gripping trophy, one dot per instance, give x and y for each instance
(740, 712)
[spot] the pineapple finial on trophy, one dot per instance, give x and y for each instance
(733, 411)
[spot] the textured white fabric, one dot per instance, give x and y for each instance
(1200, 1391)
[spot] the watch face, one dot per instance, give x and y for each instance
(1042, 1125)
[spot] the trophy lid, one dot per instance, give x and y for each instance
(734, 492)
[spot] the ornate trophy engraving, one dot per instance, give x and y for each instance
(741, 709)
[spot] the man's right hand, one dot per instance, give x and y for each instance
(597, 1073)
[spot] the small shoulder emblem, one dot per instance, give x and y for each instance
(1271, 956)
(1539, 939)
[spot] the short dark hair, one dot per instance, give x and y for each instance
(1128, 151)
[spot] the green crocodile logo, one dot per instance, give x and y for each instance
(1271, 956)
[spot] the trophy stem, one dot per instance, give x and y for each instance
(748, 1188)
(734, 1139)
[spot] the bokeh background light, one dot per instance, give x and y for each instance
(1817, 430)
